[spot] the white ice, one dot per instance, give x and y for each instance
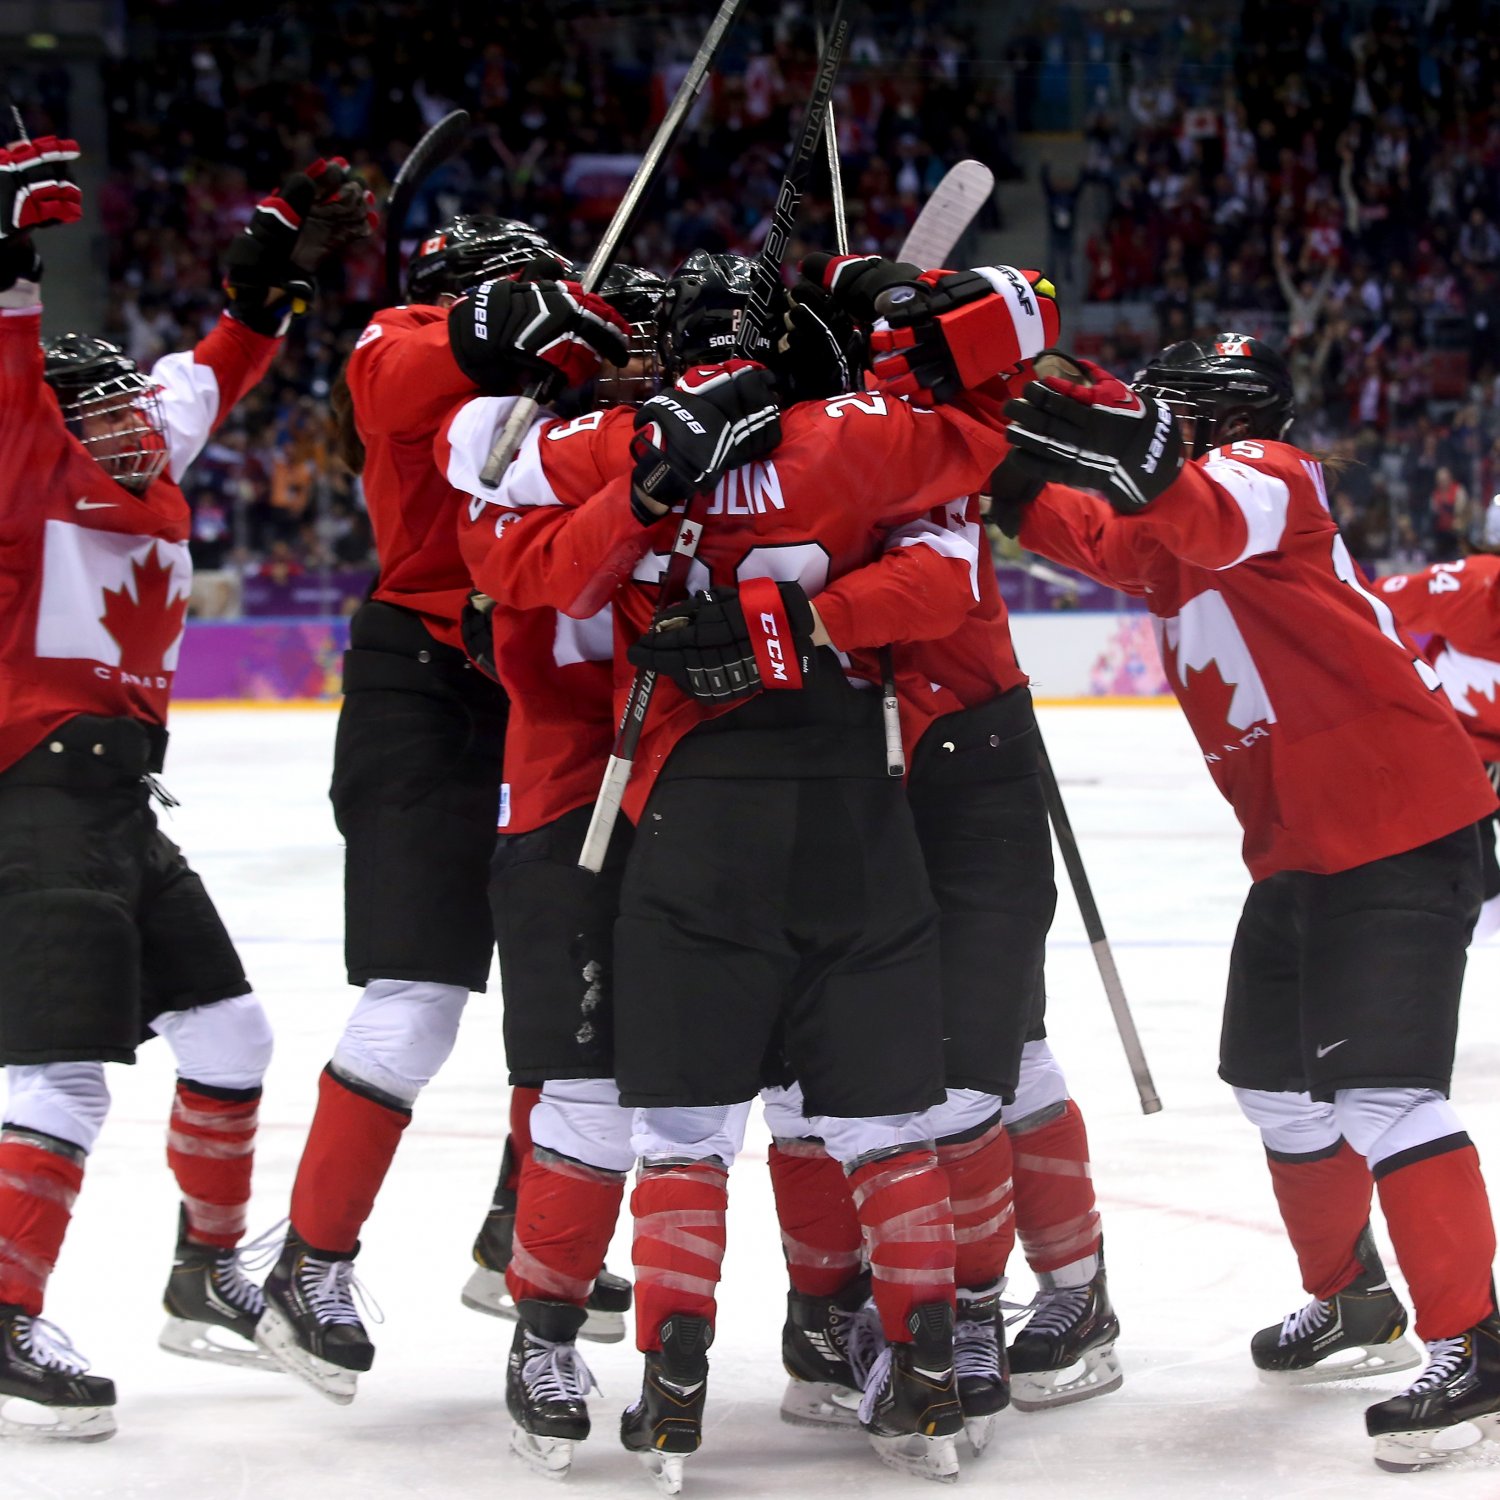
(1197, 1260)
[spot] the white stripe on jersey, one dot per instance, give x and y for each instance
(472, 434)
(960, 538)
(189, 394)
(1262, 499)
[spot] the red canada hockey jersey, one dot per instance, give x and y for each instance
(95, 578)
(1457, 605)
(1319, 721)
(404, 382)
(847, 470)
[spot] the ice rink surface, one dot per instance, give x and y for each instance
(1196, 1256)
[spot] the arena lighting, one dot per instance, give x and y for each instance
(42, 41)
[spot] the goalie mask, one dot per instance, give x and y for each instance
(705, 299)
(460, 254)
(1222, 389)
(109, 406)
(635, 294)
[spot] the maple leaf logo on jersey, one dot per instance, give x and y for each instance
(1206, 634)
(147, 626)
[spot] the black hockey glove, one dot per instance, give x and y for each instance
(820, 349)
(343, 213)
(508, 332)
(855, 282)
(267, 280)
(714, 419)
(476, 629)
(36, 185)
(954, 330)
(19, 262)
(724, 644)
(1091, 431)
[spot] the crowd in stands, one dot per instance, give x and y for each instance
(1338, 189)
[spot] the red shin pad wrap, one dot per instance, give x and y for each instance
(1324, 1203)
(211, 1151)
(679, 1244)
(771, 636)
(565, 1215)
(908, 1224)
(347, 1155)
(820, 1231)
(1055, 1214)
(522, 1101)
(1439, 1217)
(37, 1189)
(982, 1193)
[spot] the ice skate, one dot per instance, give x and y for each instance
(1358, 1332)
(212, 1306)
(1066, 1351)
(45, 1391)
(1461, 1385)
(911, 1408)
(980, 1362)
(311, 1326)
(820, 1350)
(546, 1386)
(665, 1424)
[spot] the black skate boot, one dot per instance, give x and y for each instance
(911, 1409)
(824, 1386)
(44, 1392)
(208, 1295)
(311, 1326)
(665, 1424)
(979, 1359)
(1359, 1331)
(1066, 1351)
(1460, 1384)
(546, 1385)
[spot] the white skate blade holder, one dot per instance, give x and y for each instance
(215, 1345)
(277, 1337)
(979, 1431)
(550, 1457)
(922, 1457)
(820, 1404)
(665, 1470)
(1407, 1452)
(1360, 1363)
(1094, 1373)
(485, 1292)
(31, 1421)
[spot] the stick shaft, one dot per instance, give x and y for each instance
(1114, 991)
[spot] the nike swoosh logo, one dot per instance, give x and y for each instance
(1324, 1051)
(96, 505)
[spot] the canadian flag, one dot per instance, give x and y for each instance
(112, 598)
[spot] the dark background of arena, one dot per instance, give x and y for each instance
(1326, 175)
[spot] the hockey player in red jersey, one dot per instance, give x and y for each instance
(109, 935)
(1317, 720)
(1454, 606)
(417, 761)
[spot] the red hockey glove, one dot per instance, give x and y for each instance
(957, 329)
(854, 282)
(1091, 431)
(342, 213)
(714, 419)
(723, 644)
(36, 185)
(507, 332)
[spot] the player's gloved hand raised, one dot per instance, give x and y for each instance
(36, 185)
(955, 330)
(476, 628)
(724, 644)
(508, 332)
(714, 419)
(1085, 428)
(821, 348)
(854, 283)
(268, 270)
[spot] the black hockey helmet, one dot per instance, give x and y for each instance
(636, 294)
(1233, 386)
(109, 406)
(460, 254)
(700, 314)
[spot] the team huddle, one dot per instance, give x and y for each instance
(776, 529)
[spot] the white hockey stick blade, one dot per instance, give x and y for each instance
(947, 213)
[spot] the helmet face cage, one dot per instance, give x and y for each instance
(471, 249)
(113, 410)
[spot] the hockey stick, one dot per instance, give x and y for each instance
(890, 705)
(446, 139)
(505, 445)
(755, 324)
(1103, 956)
(964, 190)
